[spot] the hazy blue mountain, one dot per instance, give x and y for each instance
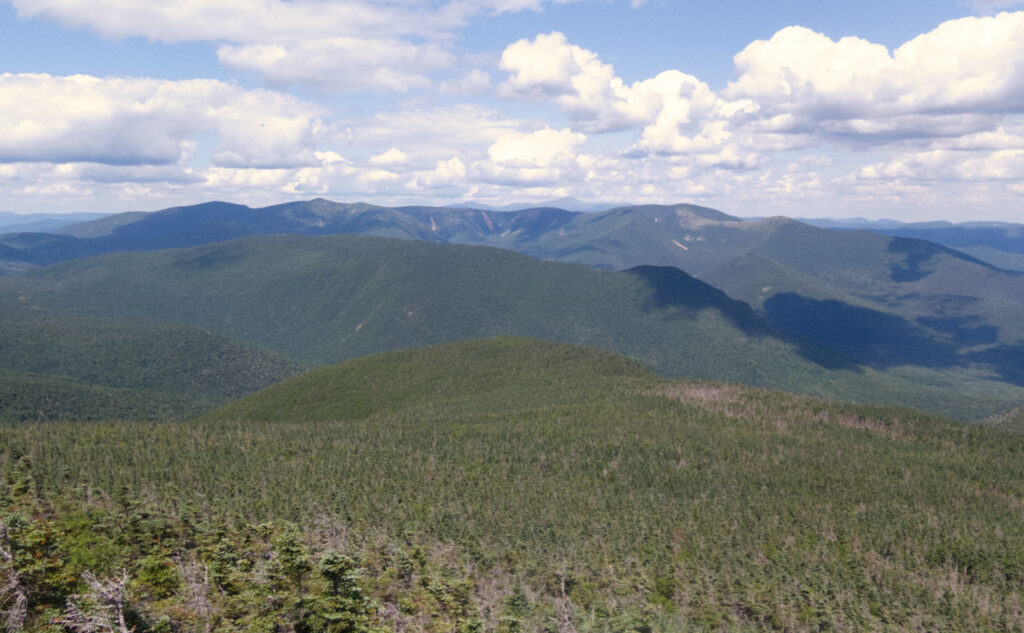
(41, 222)
(850, 223)
(998, 243)
(1004, 237)
(996, 257)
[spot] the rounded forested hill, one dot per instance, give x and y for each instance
(495, 374)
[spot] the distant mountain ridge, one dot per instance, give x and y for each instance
(998, 243)
(887, 302)
(41, 222)
(218, 221)
(568, 203)
(885, 224)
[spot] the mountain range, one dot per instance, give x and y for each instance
(41, 222)
(998, 243)
(918, 312)
(323, 299)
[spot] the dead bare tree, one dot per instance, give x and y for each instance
(13, 594)
(101, 610)
(564, 606)
(197, 589)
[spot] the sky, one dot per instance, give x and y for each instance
(876, 109)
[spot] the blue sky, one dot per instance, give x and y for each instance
(903, 110)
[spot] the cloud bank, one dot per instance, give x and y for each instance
(938, 120)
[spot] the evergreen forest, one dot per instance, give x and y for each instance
(510, 485)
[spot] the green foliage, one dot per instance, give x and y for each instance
(342, 608)
(502, 374)
(26, 397)
(157, 575)
(1010, 420)
(290, 560)
(327, 299)
(526, 486)
(64, 365)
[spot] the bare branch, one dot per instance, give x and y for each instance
(13, 593)
(102, 610)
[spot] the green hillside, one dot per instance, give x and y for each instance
(325, 299)
(1010, 420)
(503, 374)
(523, 486)
(882, 301)
(63, 364)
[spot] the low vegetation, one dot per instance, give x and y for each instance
(514, 485)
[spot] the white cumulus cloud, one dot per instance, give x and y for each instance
(958, 76)
(150, 121)
(341, 64)
(341, 45)
(542, 148)
(445, 175)
(678, 113)
(549, 68)
(544, 157)
(1007, 164)
(393, 156)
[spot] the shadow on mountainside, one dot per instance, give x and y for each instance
(673, 288)
(963, 330)
(919, 252)
(1005, 360)
(881, 339)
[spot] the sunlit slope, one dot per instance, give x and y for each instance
(502, 374)
(882, 301)
(46, 398)
(842, 289)
(999, 243)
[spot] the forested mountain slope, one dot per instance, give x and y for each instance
(326, 299)
(64, 364)
(882, 301)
